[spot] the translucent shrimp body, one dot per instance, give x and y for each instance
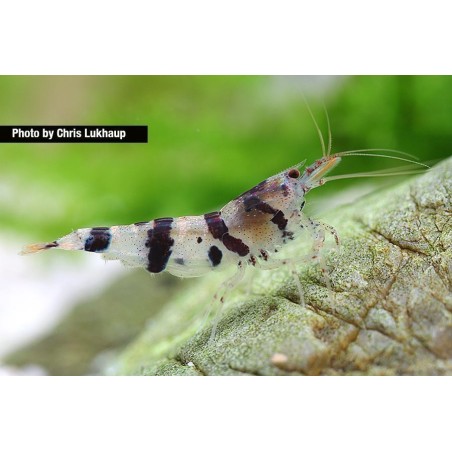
(247, 230)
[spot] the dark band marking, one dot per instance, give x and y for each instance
(252, 260)
(280, 220)
(199, 240)
(235, 245)
(215, 224)
(159, 243)
(51, 245)
(278, 216)
(98, 240)
(215, 255)
(217, 227)
(140, 223)
(264, 254)
(250, 203)
(253, 202)
(179, 261)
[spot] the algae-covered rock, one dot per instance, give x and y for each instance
(389, 310)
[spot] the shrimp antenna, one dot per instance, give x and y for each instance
(346, 154)
(392, 151)
(330, 138)
(398, 171)
(322, 141)
(370, 174)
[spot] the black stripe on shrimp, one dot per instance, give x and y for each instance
(255, 203)
(217, 227)
(98, 240)
(160, 245)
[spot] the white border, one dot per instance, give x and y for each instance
(183, 413)
(233, 37)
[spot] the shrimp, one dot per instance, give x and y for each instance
(247, 231)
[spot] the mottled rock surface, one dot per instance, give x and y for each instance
(389, 310)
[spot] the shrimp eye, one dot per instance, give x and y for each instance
(294, 173)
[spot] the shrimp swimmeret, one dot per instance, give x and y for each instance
(248, 230)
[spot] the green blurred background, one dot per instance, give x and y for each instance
(210, 138)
